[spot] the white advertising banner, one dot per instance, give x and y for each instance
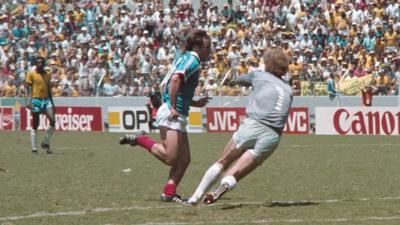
(132, 119)
(128, 119)
(357, 120)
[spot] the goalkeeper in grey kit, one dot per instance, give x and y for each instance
(259, 134)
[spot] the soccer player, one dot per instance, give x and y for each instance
(179, 87)
(259, 134)
(39, 100)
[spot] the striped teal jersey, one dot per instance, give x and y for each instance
(186, 64)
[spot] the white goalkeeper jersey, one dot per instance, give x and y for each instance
(270, 100)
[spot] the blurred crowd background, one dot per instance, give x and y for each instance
(125, 47)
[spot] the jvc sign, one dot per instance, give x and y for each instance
(228, 119)
(297, 122)
(225, 119)
(128, 119)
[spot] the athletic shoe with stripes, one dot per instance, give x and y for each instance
(216, 194)
(170, 198)
(131, 138)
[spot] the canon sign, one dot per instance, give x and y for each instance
(358, 121)
(366, 123)
(67, 119)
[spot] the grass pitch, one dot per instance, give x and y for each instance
(92, 180)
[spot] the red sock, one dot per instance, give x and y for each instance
(170, 189)
(146, 142)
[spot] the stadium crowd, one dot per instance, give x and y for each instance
(125, 47)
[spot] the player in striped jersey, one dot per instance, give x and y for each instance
(179, 86)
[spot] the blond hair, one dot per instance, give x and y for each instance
(276, 61)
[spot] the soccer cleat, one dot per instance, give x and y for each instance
(34, 151)
(216, 194)
(170, 198)
(47, 148)
(131, 138)
(190, 202)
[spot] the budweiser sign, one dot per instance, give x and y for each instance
(67, 119)
(358, 121)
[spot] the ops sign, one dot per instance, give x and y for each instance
(128, 119)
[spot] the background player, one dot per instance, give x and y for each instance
(39, 100)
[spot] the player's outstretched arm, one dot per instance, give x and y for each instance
(201, 102)
(28, 96)
(243, 80)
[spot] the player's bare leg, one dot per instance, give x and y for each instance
(167, 151)
(50, 114)
(173, 150)
(245, 165)
(229, 155)
(34, 132)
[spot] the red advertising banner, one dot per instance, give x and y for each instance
(224, 119)
(228, 119)
(67, 119)
(298, 121)
(7, 118)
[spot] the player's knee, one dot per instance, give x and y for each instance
(223, 163)
(35, 125)
(52, 123)
(171, 161)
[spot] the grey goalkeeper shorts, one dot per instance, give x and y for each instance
(259, 139)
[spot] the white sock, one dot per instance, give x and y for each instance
(34, 139)
(210, 177)
(230, 180)
(48, 135)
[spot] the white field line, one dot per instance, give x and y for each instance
(282, 146)
(338, 145)
(296, 221)
(99, 210)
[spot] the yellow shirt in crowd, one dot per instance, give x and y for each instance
(43, 8)
(391, 39)
(9, 90)
(243, 68)
(295, 69)
(379, 12)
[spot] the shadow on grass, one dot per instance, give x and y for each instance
(291, 203)
(228, 206)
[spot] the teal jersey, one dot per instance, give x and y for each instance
(187, 65)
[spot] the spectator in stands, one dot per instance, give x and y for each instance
(339, 31)
(331, 86)
(383, 82)
(211, 88)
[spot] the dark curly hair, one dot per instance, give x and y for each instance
(195, 38)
